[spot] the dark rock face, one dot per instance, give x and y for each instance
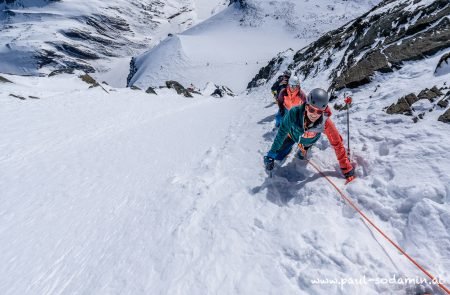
(89, 80)
(444, 61)
(151, 90)
(361, 72)
(443, 103)
(62, 71)
(133, 70)
(178, 88)
(242, 3)
(266, 73)
(403, 105)
(221, 91)
(18, 96)
(81, 35)
(445, 117)
(61, 63)
(430, 94)
(4, 80)
(75, 51)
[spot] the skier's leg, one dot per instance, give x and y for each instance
(278, 119)
(285, 149)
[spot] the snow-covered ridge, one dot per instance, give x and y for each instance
(40, 36)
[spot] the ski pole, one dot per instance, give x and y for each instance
(348, 101)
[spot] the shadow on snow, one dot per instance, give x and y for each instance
(288, 181)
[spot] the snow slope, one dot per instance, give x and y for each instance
(136, 194)
(230, 47)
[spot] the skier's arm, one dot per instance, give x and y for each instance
(337, 143)
(283, 131)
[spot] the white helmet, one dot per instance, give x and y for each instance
(294, 81)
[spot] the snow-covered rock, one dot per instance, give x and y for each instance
(443, 67)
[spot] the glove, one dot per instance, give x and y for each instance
(269, 162)
(274, 93)
(350, 175)
(302, 151)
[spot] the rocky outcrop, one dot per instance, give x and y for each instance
(241, 3)
(18, 96)
(268, 72)
(405, 104)
(4, 80)
(443, 103)
(62, 71)
(222, 91)
(360, 73)
(133, 70)
(430, 94)
(89, 80)
(445, 117)
(443, 66)
(75, 51)
(151, 90)
(381, 40)
(178, 88)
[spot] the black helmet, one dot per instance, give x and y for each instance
(287, 73)
(318, 98)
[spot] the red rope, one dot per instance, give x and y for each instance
(380, 231)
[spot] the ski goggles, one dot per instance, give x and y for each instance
(314, 110)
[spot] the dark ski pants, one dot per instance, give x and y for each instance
(278, 119)
(285, 149)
